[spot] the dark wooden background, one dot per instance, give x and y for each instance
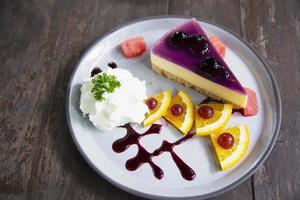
(40, 44)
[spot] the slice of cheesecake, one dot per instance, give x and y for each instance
(186, 55)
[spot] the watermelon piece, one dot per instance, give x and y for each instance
(219, 45)
(252, 105)
(133, 47)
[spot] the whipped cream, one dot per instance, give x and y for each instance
(124, 105)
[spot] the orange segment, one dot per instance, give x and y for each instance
(230, 157)
(185, 121)
(163, 100)
(221, 116)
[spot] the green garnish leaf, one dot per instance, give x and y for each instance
(104, 83)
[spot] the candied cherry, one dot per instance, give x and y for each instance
(226, 140)
(177, 110)
(151, 103)
(206, 112)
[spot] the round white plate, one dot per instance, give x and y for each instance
(96, 146)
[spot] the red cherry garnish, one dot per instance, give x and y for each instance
(177, 110)
(206, 112)
(226, 140)
(151, 103)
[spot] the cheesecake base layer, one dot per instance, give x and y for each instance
(202, 85)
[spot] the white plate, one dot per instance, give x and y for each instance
(96, 146)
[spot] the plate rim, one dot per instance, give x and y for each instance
(208, 195)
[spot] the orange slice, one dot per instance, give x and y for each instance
(180, 112)
(162, 102)
(220, 116)
(231, 156)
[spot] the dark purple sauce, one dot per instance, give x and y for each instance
(186, 171)
(112, 65)
(143, 156)
(132, 137)
(95, 71)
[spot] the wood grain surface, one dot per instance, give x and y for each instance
(42, 40)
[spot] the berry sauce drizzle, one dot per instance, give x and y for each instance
(186, 171)
(112, 65)
(95, 71)
(143, 156)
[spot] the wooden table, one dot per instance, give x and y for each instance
(41, 42)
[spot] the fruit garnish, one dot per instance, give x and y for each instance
(133, 47)
(226, 140)
(180, 112)
(206, 112)
(228, 157)
(252, 105)
(219, 45)
(177, 110)
(158, 105)
(210, 118)
(104, 83)
(151, 103)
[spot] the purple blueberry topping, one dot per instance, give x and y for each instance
(178, 40)
(196, 44)
(213, 68)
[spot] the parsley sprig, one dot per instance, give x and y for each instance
(104, 83)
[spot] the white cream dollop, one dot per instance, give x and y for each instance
(124, 105)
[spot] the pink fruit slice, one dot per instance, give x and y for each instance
(133, 47)
(252, 105)
(219, 45)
